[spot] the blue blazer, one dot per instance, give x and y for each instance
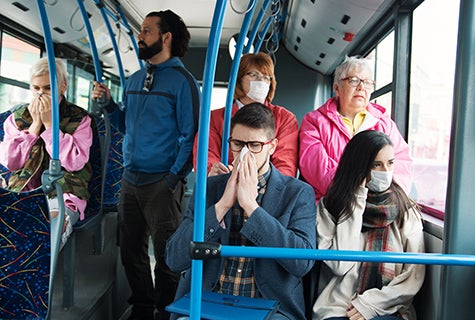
(286, 218)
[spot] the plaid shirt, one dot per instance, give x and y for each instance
(237, 277)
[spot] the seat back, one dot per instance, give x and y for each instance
(25, 251)
(4, 172)
(114, 166)
(95, 184)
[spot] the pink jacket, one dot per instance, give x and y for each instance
(285, 157)
(323, 137)
(73, 153)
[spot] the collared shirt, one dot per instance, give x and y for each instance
(237, 277)
(354, 125)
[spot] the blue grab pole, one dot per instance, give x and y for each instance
(262, 34)
(130, 33)
(103, 11)
(255, 28)
(202, 157)
(348, 255)
(232, 81)
(52, 77)
(55, 163)
(92, 41)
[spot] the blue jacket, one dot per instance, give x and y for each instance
(161, 124)
(286, 218)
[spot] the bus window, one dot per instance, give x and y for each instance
(382, 57)
(16, 59)
(431, 98)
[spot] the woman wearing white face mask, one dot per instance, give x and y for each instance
(255, 83)
(364, 209)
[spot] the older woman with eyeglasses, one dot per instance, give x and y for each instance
(325, 132)
(255, 83)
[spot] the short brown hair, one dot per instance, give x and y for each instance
(262, 62)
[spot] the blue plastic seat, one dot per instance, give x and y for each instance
(25, 251)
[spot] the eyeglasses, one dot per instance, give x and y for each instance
(257, 77)
(253, 146)
(147, 85)
(355, 81)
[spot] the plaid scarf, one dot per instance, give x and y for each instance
(237, 277)
(380, 212)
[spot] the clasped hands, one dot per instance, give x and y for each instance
(40, 111)
(241, 187)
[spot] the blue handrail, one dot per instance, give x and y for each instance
(202, 157)
(232, 80)
(102, 9)
(130, 33)
(262, 34)
(348, 255)
(92, 41)
(50, 177)
(255, 28)
(52, 77)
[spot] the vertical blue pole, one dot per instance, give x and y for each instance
(262, 34)
(101, 7)
(52, 77)
(255, 28)
(130, 33)
(92, 41)
(202, 157)
(55, 164)
(232, 81)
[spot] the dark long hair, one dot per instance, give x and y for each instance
(171, 22)
(354, 166)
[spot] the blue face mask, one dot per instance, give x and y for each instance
(380, 180)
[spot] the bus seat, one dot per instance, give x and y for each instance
(4, 172)
(91, 223)
(220, 306)
(114, 167)
(25, 253)
(103, 199)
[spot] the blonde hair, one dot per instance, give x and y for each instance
(40, 68)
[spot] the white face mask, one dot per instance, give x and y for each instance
(380, 180)
(258, 91)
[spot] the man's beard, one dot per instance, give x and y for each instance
(148, 52)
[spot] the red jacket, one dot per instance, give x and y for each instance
(285, 157)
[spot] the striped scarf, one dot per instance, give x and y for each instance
(380, 212)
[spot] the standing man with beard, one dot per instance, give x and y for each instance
(161, 119)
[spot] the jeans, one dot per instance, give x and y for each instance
(154, 211)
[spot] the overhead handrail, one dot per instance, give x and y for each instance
(50, 177)
(202, 157)
(255, 28)
(104, 12)
(232, 81)
(92, 41)
(262, 34)
(130, 33)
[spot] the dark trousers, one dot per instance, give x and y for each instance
(144, 211)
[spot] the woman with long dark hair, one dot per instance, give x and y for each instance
(365, 209)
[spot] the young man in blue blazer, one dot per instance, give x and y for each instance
(254, 205)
